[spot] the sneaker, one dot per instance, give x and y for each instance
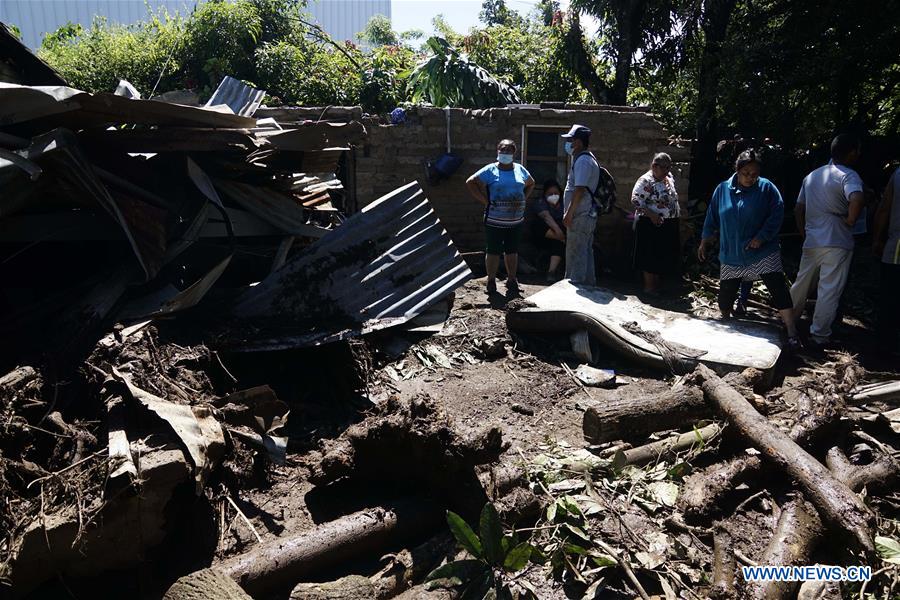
(794, 344)
(492, 287)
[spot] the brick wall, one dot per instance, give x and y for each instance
(624, 140)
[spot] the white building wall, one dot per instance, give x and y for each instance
(342, 19)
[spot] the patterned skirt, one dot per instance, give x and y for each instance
(768, 264)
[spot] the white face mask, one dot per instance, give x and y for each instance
(553, 199)
(569, 147)
(505, 159)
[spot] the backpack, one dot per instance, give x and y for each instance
(604, 196)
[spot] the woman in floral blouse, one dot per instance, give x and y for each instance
(656, 243)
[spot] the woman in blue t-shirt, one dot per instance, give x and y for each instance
(502, 187)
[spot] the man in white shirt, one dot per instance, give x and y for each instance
(830, 202)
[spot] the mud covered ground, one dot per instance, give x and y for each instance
(479, 376)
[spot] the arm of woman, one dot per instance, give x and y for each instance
(710, 225)
(772, 225)
(529, 187)
(477, 188)
(552, 225)
(638, 196)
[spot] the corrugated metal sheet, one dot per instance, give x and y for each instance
(380, 268)
(241, 98)
(342, 19)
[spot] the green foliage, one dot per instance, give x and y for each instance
(15, 30)
(378, 32)
(307, 75)
(532, 59)
(220, 39)
(450, 78)
(495, 12)
(888, 549)
(496, 556)
(95, 59)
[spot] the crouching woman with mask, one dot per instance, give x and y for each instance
(502, 187)
(548, 229)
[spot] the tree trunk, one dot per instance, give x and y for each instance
(704, 491)
(714, 23)
(282, 562)
(633, 418)
(796, 533)
(581, 63)
(629, 20)
(837, 503)
(669, 447)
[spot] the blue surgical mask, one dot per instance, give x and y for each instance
(505, 159)
(569, 148)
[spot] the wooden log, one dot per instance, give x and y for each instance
(634, 418)
(204, 585)
(704, 491)
(669, 447)
(836, 502)
(799, 529)
(796, 534)
(404, 568)
(724, 565)
(282, 562)
(881, 473)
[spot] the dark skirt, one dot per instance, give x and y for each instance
(656, 249)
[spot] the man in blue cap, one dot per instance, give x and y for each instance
(580, 209)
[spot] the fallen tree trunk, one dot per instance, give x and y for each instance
(882, 472)
(405, 567)
(281, 563)
(837, 503)
(630, 418)
(796, 534)
(799, 529)
(724, 565)
(204, 585)
(704, 491)
(669, 447)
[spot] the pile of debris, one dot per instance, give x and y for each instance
(680, 515)
(139, 240)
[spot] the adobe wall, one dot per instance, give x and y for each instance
(624, 140)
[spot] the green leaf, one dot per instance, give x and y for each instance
(574, 549)
(456, 573)
(517, 557)
(491, 534)
(464, 534)
(888, 549)
(551, 512)
(578, 532)
(602, 560)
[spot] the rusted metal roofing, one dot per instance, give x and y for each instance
(24, 103)
(238, 96)
(380, 268)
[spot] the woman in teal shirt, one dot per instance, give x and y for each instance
(502, 187)
(745, 213)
